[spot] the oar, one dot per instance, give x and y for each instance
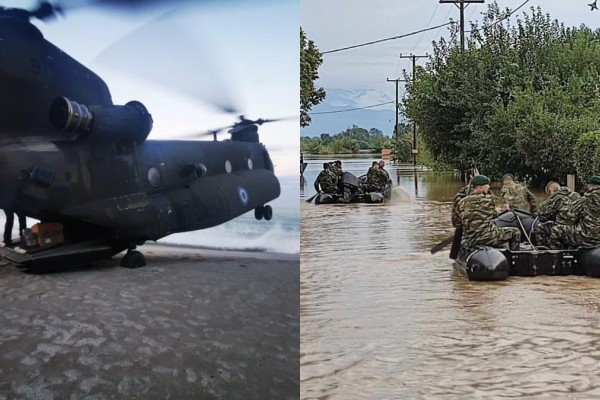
(442, 244)
(456, 243)
(311, 199)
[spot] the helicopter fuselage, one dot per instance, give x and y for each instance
(140, 193)
(69, 155)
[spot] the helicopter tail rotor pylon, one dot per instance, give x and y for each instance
(245, 130)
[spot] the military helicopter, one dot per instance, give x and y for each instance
(68, 155)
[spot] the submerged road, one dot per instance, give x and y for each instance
(192, 324)
(382, 318)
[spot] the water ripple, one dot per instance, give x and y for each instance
(383, 318)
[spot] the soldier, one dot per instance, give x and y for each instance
(381, 165)
(327, 180)
(558, 203)
(375, 178)
(517, 195)
(476, 212)
(461, 194)
(553, 210)
(581, 224)
(336, 168)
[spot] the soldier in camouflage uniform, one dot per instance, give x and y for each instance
(336, 168)
(461, 194)
(476, 212)
(376, 179)
(553, 210)
(387, 176)
(327, 179)
(517, 195)
(581, 224)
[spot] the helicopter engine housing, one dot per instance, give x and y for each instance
(131, 122)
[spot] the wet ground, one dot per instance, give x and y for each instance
(192, 324)
(382, 318)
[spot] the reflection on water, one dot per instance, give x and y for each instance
(383, 318)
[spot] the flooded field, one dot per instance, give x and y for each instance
(383, 318)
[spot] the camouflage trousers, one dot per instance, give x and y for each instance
(565, 236)
(495, 238)
(543, 234)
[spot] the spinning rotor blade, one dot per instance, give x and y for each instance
(238, 126)
(164, 52)
(138, 6)
(244, 123)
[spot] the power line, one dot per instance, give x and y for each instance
(352, 109)
(472, 12)
(445, 19)
(386, 39)
(423, 34)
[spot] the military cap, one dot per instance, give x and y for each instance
(325, 165)
(595, 180)
(338, 162)
(480, 180)
(511, 176)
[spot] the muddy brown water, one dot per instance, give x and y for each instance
(382, 318)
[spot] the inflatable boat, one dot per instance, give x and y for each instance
(354, 190)
(493, 264)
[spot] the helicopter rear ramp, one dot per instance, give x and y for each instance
(46, 259)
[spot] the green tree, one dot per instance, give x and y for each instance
(587, 155)
(310, 60)
(517, 100)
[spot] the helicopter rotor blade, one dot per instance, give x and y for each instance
(161, 50)
(134, 7)
(238, 126)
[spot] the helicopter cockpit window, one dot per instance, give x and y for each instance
(250, 163)
(154, 177)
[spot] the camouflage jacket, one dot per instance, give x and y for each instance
(327, 179)
(519, 197)
(556, 206)
(585, 213)
(337, 171)
(376, 177)
(387, 176)
(461, 194)
(476, 212)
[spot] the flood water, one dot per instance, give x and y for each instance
(382, 318)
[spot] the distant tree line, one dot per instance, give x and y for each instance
(524, 97)
(350, 141)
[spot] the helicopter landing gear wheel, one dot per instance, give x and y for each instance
(133, 259)
(259, 212)
(267, 213)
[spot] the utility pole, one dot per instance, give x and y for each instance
(415, 151)
(461, 4)
(394, 132)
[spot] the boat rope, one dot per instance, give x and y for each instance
(524, 230)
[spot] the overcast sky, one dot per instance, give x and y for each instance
(334, 24)
(249, 49)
